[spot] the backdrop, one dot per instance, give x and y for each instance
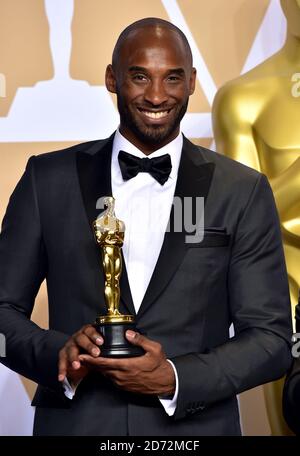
(53, 55)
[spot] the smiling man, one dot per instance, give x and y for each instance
(153, 82)
(184, 296)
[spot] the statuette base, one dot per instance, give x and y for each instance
(115, 343)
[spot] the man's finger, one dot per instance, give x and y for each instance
(111, 363)
(91, 332)
(62, 366)
(137, 339)
(86, 344)
(73, 356)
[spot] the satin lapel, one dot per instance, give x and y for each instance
(94, 173)
(194, 179)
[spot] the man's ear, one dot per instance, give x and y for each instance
(193, 81)
(110, 80)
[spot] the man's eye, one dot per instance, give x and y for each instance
(173, 78)
(139, 77)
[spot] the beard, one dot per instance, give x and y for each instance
(152, 135)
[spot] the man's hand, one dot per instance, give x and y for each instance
(88, 340)
(147, 374)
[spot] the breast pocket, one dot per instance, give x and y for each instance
(213, 237)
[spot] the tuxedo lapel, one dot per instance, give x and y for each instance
(194, 179)
(94, 173)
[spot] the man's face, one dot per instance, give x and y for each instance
(153, 81)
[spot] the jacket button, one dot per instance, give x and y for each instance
(190, 411)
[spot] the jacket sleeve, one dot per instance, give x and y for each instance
(30, 350)
(258, 298)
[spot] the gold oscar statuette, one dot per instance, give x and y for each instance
(109, 232)
(256, 121)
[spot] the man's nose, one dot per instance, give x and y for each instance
(155, 93)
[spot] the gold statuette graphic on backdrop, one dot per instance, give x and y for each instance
(109, 232)
(256, 121)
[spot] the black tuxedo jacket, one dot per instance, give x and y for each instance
(235, 275)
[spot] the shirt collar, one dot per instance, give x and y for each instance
(173, 148)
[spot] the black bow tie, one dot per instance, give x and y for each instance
(158, 167)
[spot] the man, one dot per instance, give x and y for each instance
(185, 295)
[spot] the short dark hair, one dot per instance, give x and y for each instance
(148, 22)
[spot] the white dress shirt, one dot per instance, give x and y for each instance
(144, 205)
